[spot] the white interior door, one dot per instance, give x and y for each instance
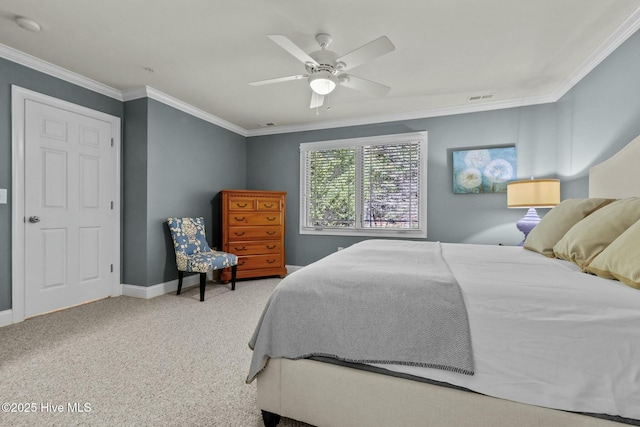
(69, 193)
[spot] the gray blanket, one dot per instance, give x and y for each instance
(379, 301)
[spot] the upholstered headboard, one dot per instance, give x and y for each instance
(618, 176)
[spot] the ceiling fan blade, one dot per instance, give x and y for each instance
(371, 50)
(278, 80)
(363, 85)
(292, 48)
(316, 100)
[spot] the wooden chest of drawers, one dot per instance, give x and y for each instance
(253, 229)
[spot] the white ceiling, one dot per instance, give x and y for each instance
(204, 52)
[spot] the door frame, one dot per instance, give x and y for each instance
(19, 96)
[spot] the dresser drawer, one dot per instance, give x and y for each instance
(269, 205)
(254, 262)
(254, 248)
(242, 204)
(271, 218)
(236, 234)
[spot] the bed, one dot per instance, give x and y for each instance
(551, 345)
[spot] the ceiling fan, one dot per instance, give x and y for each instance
(325, 68)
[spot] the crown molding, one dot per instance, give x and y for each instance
(149, 92)
(53, 70)
(619, 36)
(412, 115)
(134, 93)
(45, 67)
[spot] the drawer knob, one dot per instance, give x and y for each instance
(238, 205)
(271, 218)
(271, 247)
(271, 233)
(268, 206)
(239, 233)
(241, 263)
(270, 261)
(240, 249)
(239, 219)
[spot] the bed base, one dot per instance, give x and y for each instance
(270, 419)
(324, 394)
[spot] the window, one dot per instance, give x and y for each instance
(373, 186)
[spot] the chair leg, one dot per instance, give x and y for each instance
(180, 275)
(203, 281)
(233, 277)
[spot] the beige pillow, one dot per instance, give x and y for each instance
(621, 259)
(585, 240)
(558, 221)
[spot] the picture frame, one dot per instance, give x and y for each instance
(484, 169)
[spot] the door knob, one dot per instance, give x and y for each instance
(34, 219)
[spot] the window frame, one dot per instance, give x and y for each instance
(393, 139)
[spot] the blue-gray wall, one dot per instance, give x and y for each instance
(273, 164)
(591, 122)
(175, 165)
(599, 115)
(134, 192)
(15, 74)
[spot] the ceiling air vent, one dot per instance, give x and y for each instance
(480, 97)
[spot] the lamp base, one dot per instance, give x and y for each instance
(527, 222)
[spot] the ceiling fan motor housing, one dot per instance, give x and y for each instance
(326, 60)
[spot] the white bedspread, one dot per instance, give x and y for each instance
(544, 333)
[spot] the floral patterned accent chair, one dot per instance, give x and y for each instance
(193, 253)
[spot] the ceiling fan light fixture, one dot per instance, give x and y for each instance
(323, 82)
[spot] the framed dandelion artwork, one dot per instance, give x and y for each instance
(484, 170)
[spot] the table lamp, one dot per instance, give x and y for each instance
(532, 194)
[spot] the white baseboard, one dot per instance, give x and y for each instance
(147, 292)
(6, 318)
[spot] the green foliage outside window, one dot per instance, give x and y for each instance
(389, 186)
(332, 188)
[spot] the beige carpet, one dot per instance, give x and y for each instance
(166, 361)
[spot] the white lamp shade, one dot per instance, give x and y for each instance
(322, 82)
(533, 193)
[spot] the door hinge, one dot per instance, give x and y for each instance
(112, 205)
(112, 268)
(112, 142)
